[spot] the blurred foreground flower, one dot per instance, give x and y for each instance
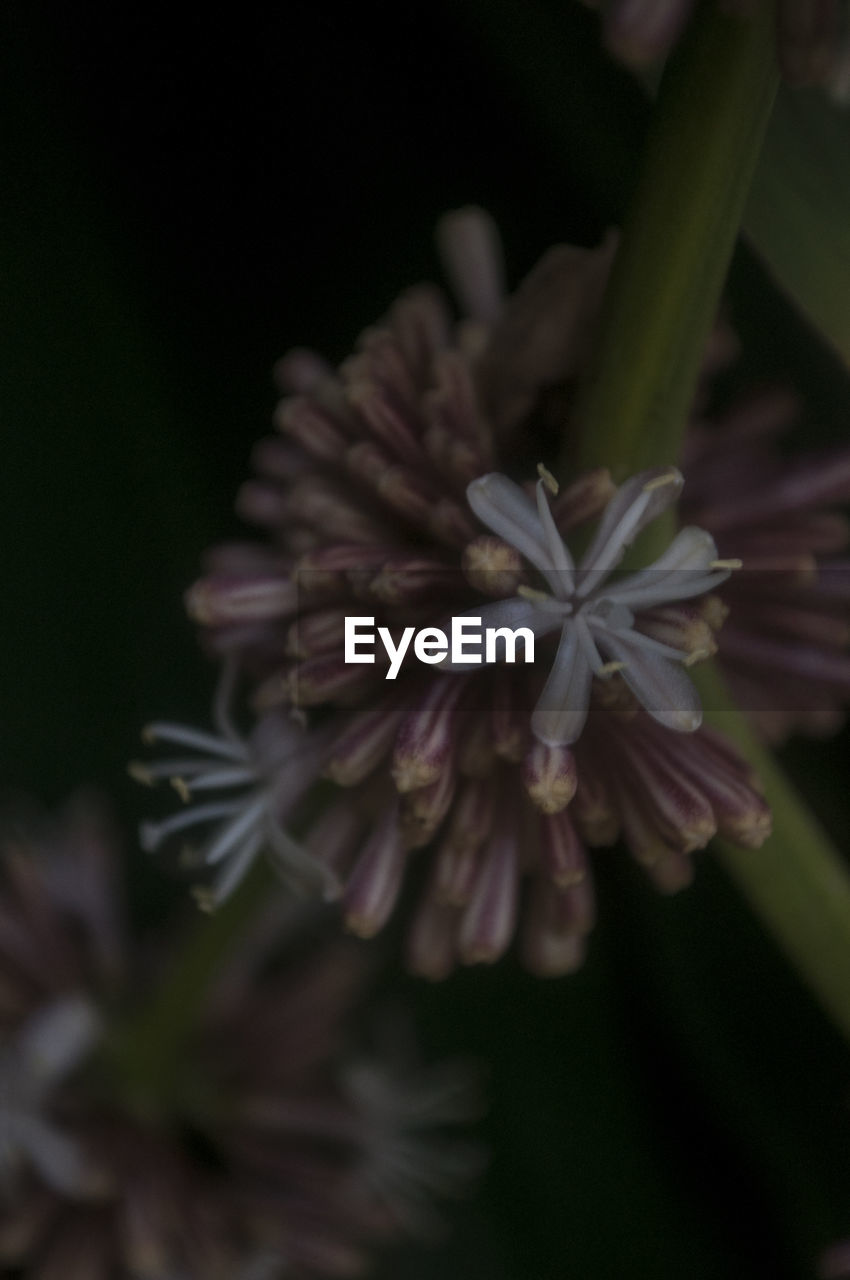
(812, 38)
(277, 1152)
(385, 497)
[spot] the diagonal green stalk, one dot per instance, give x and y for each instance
(797, 883)
(703, 147)
(702, 150)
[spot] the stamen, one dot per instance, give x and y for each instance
(165, 770)
(182, 790)
(152, 834)
(659, 482)
(232, 874)
(548, 479)
(141, 773)
(222, 702)
(698, 655)
(212, 779)
(183, 736)
(234, 831)
(726, 564)
(588, 648)
(611, 668)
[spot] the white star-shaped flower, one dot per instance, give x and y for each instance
(595, 613)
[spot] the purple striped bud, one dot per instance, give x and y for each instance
(477, 756)
(423, 810)
(427, 738)
(683, 627)
(549, 776)
(364, 742)
(585, 499)
(316, 633)
(489, 919)
(562, 854)
(374, 884)
(509, 722)
(492, 566)
(312, 427)
(221, 601)
(677, 805)
(592, 809)
(387, 422)
(410, 580)
(432, 941)
(555, 928)
(335, 836)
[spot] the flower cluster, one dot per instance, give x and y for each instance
(276, 1152)
(386, 492)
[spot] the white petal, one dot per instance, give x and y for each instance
(562, 707)
(588, 647)
(562, 561)
(660, 685)
(635, 505)
(508, 512)
(57, 1158)
(683, 571)
(58, 1037)
(636, 639)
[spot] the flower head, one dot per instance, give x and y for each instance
(597, 617)
(387, 493)
(262, 780)
(276, 1150)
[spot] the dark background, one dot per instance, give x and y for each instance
(184, 197)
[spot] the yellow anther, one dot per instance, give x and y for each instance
(726, 564)
(611, 669)
(669, 477)
(531, 593)
(204, 899)
(698, 655)
(182, 790)
(141, 773)
(548, 479)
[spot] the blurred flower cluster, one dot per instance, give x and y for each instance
(276, 1147)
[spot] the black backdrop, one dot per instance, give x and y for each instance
(184, 196)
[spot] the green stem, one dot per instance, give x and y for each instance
(702, 150)
(703, 146)
(148, 1049)
(797, 883)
